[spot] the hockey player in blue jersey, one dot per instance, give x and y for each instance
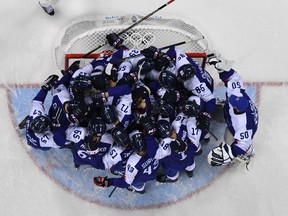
(116, 158)
(95, 144)
(38, 125)
(140, 167)
(194, 78)
(175, 152)
(240, 114)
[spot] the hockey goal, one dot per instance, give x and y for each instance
(85, 34)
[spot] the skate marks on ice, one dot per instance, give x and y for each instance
(58, 164)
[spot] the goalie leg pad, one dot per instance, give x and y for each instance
(221, 155)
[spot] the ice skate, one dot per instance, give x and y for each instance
(48, 9)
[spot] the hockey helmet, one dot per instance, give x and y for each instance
(167, 79)
(138, 143)
(120, 136)
(145, 65)
(40, 124)
(99, 80)
(164, 108)
(96, 126)
(186, 72)
(191, 108)
(164, 128)
(82, 83)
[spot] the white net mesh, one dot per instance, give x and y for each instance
(85, 34)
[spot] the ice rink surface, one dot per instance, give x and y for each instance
(252, 33)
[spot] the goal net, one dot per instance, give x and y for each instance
(85, 34)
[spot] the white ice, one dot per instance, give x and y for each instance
(252, 33)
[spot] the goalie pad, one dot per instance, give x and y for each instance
(221, 155)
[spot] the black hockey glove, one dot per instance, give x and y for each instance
(204, 121)
(49, 82)
(128, 79)
(78, 115)
(73, 67)
(114, 40)
(172, 96)
(162, 63)
(98, 97)
(152, 52)
(148, 124)
(102, 181)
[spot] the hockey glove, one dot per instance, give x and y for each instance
(162, 63)
(102, 181)
(78, 115)
(152, 52)
(220, 155)
(204, 121)
(49, 82)
(128, 79)
(171, 96)
(99, 96)
(114, 40)
(148, 124)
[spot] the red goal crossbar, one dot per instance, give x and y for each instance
(74, 56)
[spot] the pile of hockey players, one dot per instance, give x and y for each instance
(138, 110)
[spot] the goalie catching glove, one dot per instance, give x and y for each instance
(221, 155)
(220, 63)
(102, 181)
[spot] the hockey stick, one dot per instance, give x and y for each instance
(134, 24)
(112, 192)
